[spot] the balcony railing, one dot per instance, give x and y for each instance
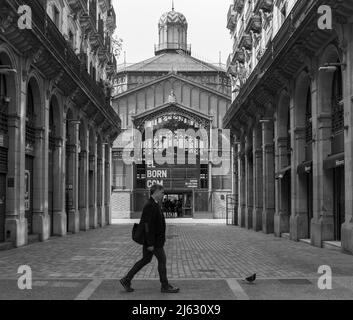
(78, 5)
(239, 5)
(265, 5)
(231, 23)
(93, 10)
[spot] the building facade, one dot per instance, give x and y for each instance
(291, 115)
(171, 91)
(57, 125)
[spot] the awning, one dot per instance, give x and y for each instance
(305, 167)
(334, 161)
(280, 174)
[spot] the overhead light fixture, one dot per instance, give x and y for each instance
(4, 69)
(265, 120)
(331, 67)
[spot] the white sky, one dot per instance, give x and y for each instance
(137, 25)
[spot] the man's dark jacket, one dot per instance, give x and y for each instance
(154, 222)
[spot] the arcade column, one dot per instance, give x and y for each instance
(347, 228)
(72, 186)
(268, 178)
(15, 222)
(241, 188)
(257, 180)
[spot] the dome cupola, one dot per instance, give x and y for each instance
(172, 28)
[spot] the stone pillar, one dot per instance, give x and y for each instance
(281, 220)
(108, 184)
(16, 223)
(249, 183)
(268, 178)
(299, 217)
(257, 181)
(93, 218)
(241, 183)
(100, 174)
(322, 227)
(84, 190)
(41, 221)
(72, 185)
(210, 202)
(347, 228)
(59, 214)
(16, 228)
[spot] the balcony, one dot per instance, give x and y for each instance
(229, 62)
(78, 5)
(239, 5)
(246, 41)
(111, 19)
(93, 10)
(265, 5)
(231, 20)
(253, 23)
(104, 5)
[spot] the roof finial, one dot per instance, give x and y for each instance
(172, 5)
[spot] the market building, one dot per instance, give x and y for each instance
(56, 122)
(291, 113)
(172, 90)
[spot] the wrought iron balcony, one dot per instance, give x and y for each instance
(239, 5)
(253, 23)
(104, 4)
(93, 10)
(111, 19)
(78, 5)
(265, 5)
(246, 41)
(231, 20)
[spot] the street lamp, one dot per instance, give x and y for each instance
(4, 69)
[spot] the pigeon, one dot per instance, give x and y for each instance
(251, 279)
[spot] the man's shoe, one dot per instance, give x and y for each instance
(126, 284)
(170, 289)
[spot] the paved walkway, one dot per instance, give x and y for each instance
(208, 261)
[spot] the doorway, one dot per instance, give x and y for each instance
(2, 206)
(339, 199)
(178, 204)
(309, 200)
(28, 193)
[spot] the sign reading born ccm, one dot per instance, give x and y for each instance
(216, 148)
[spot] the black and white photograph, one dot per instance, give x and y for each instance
(193, 152)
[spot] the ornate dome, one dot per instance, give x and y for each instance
(173, 17)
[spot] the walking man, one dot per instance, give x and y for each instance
(155, 227)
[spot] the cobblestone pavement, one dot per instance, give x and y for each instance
(200, 257)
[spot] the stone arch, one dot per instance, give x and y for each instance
(12, 81)
(330, 55)
(303, 85)
(283, 116)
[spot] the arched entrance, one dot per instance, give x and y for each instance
(283, 166)
(303, 149)
(33, 121)
(175, 144)
(54, 159)
(331, 180)
(4, 105)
